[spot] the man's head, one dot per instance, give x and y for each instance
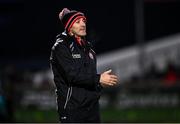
(74, 22)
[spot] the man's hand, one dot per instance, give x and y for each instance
(108, 79)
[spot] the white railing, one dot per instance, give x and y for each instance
(125, 62)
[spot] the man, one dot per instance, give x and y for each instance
(73, 64)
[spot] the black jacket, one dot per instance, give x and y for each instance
(75, 73)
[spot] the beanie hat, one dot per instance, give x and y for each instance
(68, 17)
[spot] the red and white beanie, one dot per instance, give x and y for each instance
(68, 17)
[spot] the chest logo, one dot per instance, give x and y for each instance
(76, 56)
(91, 55)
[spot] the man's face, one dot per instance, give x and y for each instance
(79, 27)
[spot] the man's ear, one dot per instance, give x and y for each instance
(70, 32)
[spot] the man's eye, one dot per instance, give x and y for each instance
(77, 21)
(84, 20)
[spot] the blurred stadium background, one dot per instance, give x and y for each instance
(138, 39)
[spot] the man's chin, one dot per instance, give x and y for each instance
(82, 35)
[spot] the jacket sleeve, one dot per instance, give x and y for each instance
(74, 74)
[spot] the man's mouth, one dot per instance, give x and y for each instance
(83, 29)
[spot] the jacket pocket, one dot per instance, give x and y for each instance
(68, 96)
(78, 97)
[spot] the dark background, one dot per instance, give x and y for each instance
(27, 32)
(28, 27)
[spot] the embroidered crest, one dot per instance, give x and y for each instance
(91, 55)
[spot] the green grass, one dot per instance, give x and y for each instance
(146, 115)
(33, 115)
